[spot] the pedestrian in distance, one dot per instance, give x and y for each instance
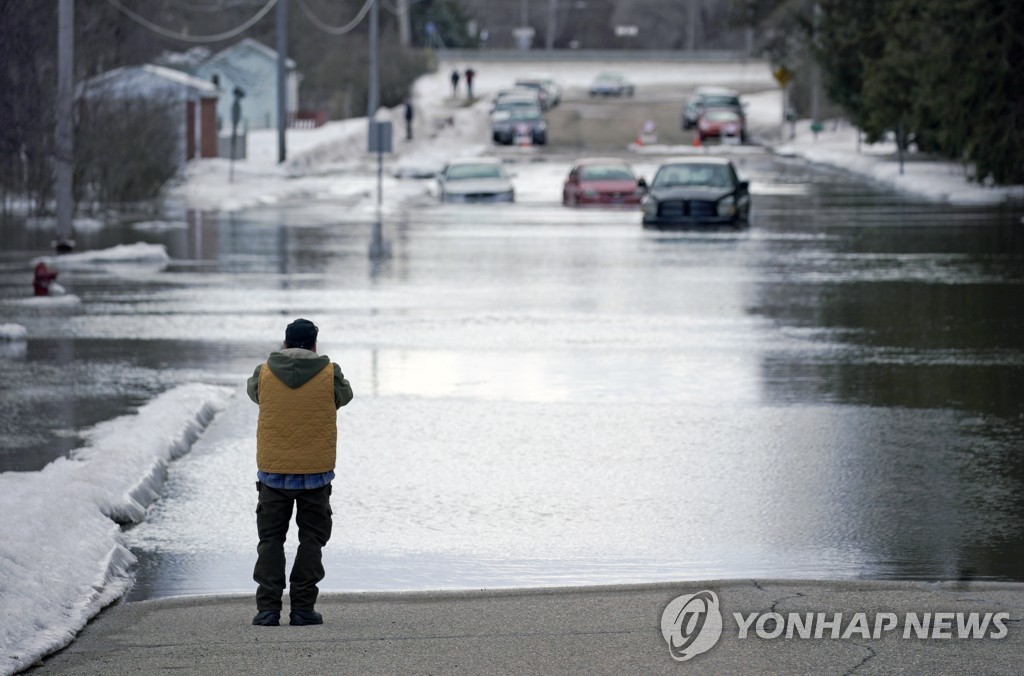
(455, 82)
(470, 74)
(409, 112)
(299, 393)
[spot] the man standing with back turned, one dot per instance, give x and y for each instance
(299, 393)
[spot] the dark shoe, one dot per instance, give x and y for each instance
(267, 618)
(303, 617)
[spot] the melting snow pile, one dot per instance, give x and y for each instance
(140, 252)
(62, 557)
(13, 332)
(46, 303)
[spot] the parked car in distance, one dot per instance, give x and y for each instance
(711, 97)
(696, 191)
(554, 91)
(602, 181)
(508, 127)
(508, 99)
(611, 84)
(721, 123)
(543, 95)
(476, 179)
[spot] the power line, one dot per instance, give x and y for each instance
(184, 37)
(180, 4)
(394, 9)
(335, 30)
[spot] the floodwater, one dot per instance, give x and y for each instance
(548, 396)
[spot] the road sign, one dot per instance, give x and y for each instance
(627, 31)
(783, 75)
(380, 137)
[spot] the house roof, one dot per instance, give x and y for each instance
(248, 44)
(148, 80)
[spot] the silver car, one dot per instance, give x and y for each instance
(477, 179)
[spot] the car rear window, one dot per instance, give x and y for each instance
(722, 116)
(463, 172)
(712, 101)
(604, 172)
(514, 104)
(675, 175)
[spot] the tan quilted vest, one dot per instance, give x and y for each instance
(297, 432)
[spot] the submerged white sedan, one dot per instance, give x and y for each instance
(477, 179)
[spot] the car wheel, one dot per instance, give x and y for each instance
(540, 140)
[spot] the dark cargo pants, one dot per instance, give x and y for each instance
(273, 514)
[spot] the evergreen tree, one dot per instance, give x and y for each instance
(951, 72)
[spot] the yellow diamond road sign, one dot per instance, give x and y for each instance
(782, 75)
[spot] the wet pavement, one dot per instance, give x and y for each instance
(789, 627)
(548, 396)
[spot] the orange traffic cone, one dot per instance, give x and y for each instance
(696, 141)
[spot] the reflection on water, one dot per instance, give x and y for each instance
(553, 396)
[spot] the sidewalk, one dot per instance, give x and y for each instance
(567, 630)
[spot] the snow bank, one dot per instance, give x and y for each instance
(159, 226)
(140, 252)
(946, 181)
(77, 224)
(68, 301)
(62, 558)
(12, 332)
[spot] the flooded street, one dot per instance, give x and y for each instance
(552, 396)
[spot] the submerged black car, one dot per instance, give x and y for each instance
(697, 191)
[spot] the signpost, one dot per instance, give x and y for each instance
(380, 143)
(236, 117)
(784, 76)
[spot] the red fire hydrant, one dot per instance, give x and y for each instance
(42, 279)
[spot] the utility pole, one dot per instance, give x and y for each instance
(691, 27)
(373, 95)
(816, 77)
(549, 42)
(65, 146)
(282, 79)
(404, 34)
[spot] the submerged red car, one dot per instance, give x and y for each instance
(722, 123)
(602, 181)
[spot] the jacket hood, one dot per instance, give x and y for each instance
(295, 366)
